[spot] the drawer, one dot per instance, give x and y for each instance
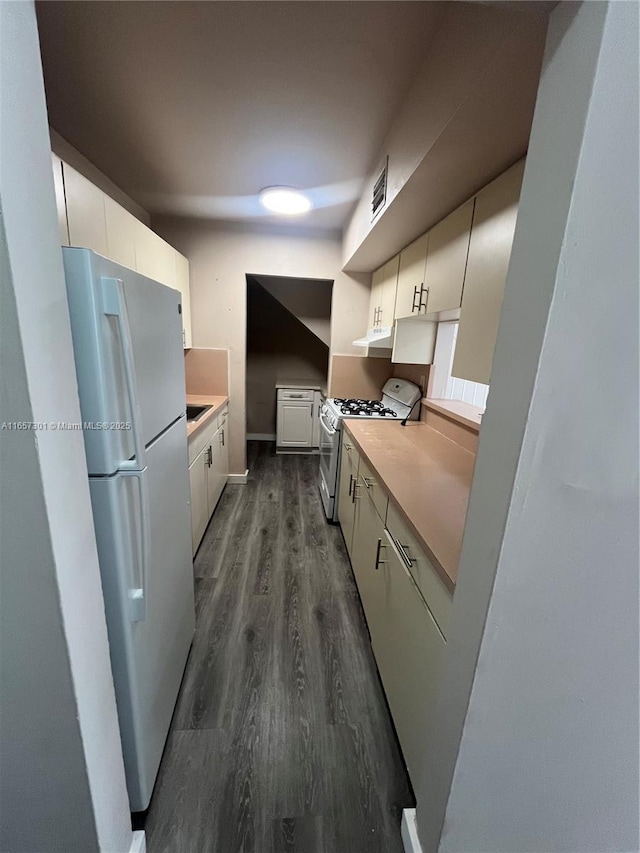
(295, 394)
(350, 450)
(372, 487)
(202, 439)
(438, 598)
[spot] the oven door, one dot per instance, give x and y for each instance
(329, 450)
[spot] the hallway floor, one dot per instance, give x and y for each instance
(281, 740)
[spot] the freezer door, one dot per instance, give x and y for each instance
(149, 645)
(127, 339)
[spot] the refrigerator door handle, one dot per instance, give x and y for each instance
(114, 305)
(137, 586)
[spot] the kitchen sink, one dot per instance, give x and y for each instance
(194, 412)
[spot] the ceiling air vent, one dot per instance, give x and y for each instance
(379, 192)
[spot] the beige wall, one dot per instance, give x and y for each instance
(79, 162)
(356, 376)
(206, 371)
(465, 119)
(308, 299)
(221, 255)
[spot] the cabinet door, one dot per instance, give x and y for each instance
(295, 423)
(388, 292)
(375, 298)
(155, 258)
(349, 461)
(61, 205)
(217, 470)
(411, 278)
(121, 233)
(447, 259)
(414, 341)
(85, 212)
(494, 223)
(376, 493)
(438, 598)
(408, 648)
(368, 550)
(183, 285)
(198, 491)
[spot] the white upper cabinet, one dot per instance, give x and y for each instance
(85, 212)
(447, 259)
(383, 294)
(411, 279)
(90, 219)
(121, 231)
(184, 286)
(494, 223)
(155, 258)
(61, 206)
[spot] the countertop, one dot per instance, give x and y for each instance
(464, 413)
(303, 384)
(204, 400)
(429, 478)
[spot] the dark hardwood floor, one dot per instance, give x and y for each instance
(281, 740)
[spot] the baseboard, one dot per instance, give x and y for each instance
(138, 842)
(238, 479)
(261, 436)
(409, 828)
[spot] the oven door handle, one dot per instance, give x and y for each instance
(326, 427)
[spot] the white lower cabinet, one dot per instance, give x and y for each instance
(346, 489)
(368, 550)
(408, 647)
(207, 477)
(402, 597)
(295, 410)
(198, 492)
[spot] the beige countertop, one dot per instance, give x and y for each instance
(464, 413)
(203, 400)
(428, 476)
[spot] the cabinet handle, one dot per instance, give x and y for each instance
(379, 562)
(402, 550)
(350, 483)
(209, 457)
(222, 437)
(348, 447)
(415, 307)
(354, 496)
(424, 290)
(368, 481)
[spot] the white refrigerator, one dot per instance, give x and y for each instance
(127, 339)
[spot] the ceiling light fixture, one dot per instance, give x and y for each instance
(285, 200)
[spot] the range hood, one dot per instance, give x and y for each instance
(382, 337)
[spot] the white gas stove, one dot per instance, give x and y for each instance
(399, 401)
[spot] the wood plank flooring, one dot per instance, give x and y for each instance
(281, 740)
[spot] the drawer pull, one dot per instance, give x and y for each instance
(402, 550)
(415, 307)
(368, 481)
(350, 483)
(379, 562)
(354, 496)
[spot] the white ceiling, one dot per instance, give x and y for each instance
(193, 107)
